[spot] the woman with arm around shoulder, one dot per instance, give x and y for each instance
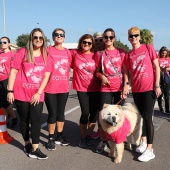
(164, 62)
(57, 89)
(142, 62)
(112, 72)
(6, 57)
(28, 77)
(87, 86)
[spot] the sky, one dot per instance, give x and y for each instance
(78, 17)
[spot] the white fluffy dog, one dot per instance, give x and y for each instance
(118, 122)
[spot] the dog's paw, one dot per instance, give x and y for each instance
(117, 160)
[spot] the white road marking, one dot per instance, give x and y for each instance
(69, 111)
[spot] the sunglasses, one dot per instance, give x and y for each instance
(98, 40)
(3, 42)
(107, 37)
(57, 35)
(36, 38)
(85, 42)
(135, 35)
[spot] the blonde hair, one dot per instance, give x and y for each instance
(97, 34)
(30, 48)
(133, 29)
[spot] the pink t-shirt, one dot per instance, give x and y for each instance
(164, 62)
(29, 76)
(120, 135)
(59, 79)
(5, 64)
(84, 78)
(139, 62)
(113, 74)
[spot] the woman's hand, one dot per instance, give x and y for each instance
(125, 91)
(35, 99)
(10, 98)
(158, 91)
(105, 81)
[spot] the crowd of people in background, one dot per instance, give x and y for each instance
(102, 73)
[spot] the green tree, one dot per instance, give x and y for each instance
(146, 36)
(23, 39)
(119, 44)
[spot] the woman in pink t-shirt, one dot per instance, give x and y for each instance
(28, 77)
(111, 70)
(164, 62)
(6, 56)
(142, 61)
(87, 86)
(57, 89)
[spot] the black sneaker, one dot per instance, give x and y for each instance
(102, 146)
(167, 112)
(37, 154)
(27, 149)
(90, 140)
(14, 123)
(83, 142)
(61, 140)
(161, 109)
(51, 144)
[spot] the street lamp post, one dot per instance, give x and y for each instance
(4, 17)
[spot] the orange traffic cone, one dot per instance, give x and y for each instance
(4, 137)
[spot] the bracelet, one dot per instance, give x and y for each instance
(10, 91)
(38, 93)
(157, 86)
(126, 83)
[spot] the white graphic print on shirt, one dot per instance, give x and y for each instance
(2, 67)
(35, 74)
(61, 66)
(139, 66)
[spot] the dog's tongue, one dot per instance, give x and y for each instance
(114, 123)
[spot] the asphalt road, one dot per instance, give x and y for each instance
(74, 158)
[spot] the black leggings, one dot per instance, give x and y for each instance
(145, 102)
(165, 91)
(56, 107)
(89, 104)
(110, 98)
(3, 94)
(27, 112)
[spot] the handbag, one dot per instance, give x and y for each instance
(166, 78)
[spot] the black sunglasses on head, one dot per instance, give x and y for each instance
(109, 37)
(133, 35)
(59, 35)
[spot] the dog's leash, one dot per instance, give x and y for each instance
(119, 101)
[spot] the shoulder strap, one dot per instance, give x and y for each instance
(117, 73)
(101, 57)
(147, 49)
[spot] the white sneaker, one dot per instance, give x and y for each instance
(146, 156)
(141, 148)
